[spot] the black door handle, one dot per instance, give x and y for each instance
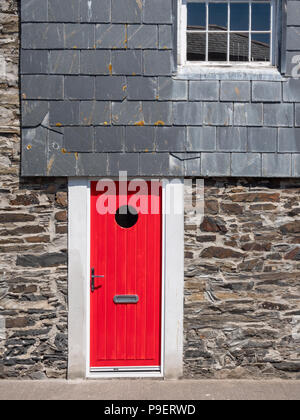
(93, 277)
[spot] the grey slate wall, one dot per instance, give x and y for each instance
(100, 93)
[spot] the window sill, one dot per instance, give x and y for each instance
(227, 72)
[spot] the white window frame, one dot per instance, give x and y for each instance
(195, 65)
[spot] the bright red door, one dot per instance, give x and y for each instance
(127, 252)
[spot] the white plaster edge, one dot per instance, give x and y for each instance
(77, 269)
(174, 278)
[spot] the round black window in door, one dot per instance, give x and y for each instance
(126, 216)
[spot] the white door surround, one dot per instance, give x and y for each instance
(79, 282)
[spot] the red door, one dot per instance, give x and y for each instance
(126, 302)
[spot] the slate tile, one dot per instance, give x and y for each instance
(215, 164)
(126, 11)
(158, 11)
(64, 62)
(109, 36)
(139, 139)
(232, 139)
(165, 36)
(246, 164)
(157, 113)
(170, 139)
(158, 63)
(34, 10)
(42, 87)
(34, 112)
(266, 92)
(248, 114)
(95, 62)
(64, 113)
(204, 90)
(220, 114)
(79, 36)
(141, 88)
(119, 162)
(279, 115)
(126, 62)
(192, 164)
(34, 62)
(289, 140)
(172, 90)
(44, 36)
(94, 11)
(34, 151)
(176, 164)
(95, 113)
(276, 165)
(79, 139)
(79, 87)
(237, 91)
(109, 139)
(91, 164)
(154, 164)
(142, 37)
(201, 139)
(291, 90)
(262, 139)
(63, 11)
(292, 38)
(111, 88)
(188, 113)
(127, 113)
(59, 162)
(296, 165)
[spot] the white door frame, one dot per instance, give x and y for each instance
(79, 282)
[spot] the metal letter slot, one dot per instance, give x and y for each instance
(126, 299)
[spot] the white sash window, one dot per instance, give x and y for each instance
(227, 32)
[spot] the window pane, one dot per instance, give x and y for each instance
(237, 30)
(261, 17)
(217, 47)
(218, 16)
(260, 47)
(196, 16)
(196, 46)
(239, 47)
(239, 17)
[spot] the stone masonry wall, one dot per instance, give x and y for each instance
(242, 281)
(33, 240)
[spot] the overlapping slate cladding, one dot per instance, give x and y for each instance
(101, 93)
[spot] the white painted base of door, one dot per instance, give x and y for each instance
(79, 284)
